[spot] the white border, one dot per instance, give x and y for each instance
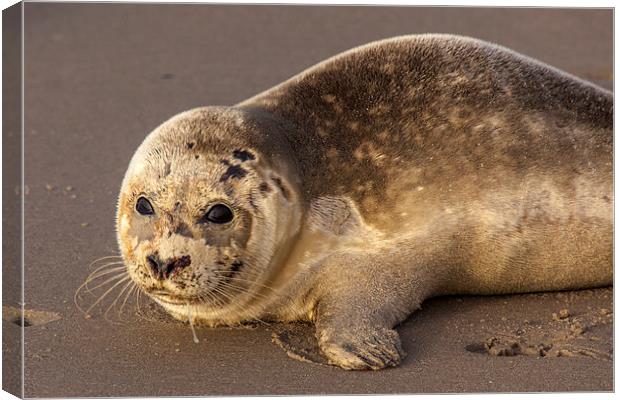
(448, 3)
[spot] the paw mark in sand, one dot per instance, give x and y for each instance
(30, 318)
(565, 335)
(511, 347)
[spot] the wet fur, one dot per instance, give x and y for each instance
(407, 168)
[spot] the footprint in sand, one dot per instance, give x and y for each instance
(564, 335)
(30, 317)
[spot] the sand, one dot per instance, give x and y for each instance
(100, 76)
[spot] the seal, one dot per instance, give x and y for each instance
(407, 168)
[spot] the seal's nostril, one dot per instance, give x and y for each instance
(184, 261)
(152, 262)
(155, 265)
(177, 264)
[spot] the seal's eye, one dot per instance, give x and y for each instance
(218, 214)
(144, 207)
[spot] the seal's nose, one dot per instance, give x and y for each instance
(164, 269)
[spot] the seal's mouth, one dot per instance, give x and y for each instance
(168, 298)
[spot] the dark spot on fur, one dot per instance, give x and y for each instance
(264, 187)
(196, 156)
(225, 162)
(464, 114)
(167, 76)
(243, 155)
(251, 201)
(167, 169)
(230, 192)
(183, 230)
(233, 171)
(190, 145)
(284, 190)
(606, 198)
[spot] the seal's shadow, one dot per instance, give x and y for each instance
(299, 342)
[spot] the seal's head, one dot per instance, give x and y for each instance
(203, 217)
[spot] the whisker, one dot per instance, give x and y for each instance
(242, 290)
(89, 280)
(255, 318)
(111, 306)
(133, 288)
(138, 293)
(103, 268)
(117, 276)
(106, 293)
(232, 300)
(108, 266)
(84, 285)
(108, 262)
(103, 258)
(111, 267)
(254, 283)
(211, 300)
(251, 289)
(226, 295)
(235, 302)
(75, 299)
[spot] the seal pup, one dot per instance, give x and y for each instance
(407, 168)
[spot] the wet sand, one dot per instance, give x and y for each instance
(99, 77)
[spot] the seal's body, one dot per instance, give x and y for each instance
(407, 168)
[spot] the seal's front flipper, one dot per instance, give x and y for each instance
(359, 349)
(362, 347)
